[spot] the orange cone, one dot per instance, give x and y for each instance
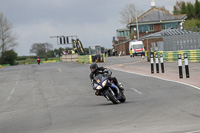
(142, 56)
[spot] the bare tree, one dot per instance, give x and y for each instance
(163, 8)
(41, 49)
(7, 39)
(129, 13)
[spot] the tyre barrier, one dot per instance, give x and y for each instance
(171, 56)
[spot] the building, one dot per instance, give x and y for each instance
(152, 21)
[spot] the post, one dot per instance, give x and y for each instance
(157, 64)
(161, 62)
(186, 66)
(180, 66)
(152, 64)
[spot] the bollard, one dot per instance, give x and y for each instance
(180, 66)
(161, 62)
(186, 66)
(152, 64)
(157, 64)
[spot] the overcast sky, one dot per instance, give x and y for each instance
(93, 21)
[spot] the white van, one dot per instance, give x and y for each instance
(136, 47)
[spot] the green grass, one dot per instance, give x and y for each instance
(34, 61)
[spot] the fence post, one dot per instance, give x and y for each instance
(186, 66)
(162, 64)
(180, 66)
(152, 63)
(157, 64)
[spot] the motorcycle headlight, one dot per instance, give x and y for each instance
(98, 87)
(104, 83)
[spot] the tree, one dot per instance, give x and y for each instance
(8, 57)
(190, 11)
(7, 39)
(183, 8)
(177, 7)
(163, 8)
(41, 49)
(197, 9)
(129, 13)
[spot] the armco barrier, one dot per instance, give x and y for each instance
(171, 56)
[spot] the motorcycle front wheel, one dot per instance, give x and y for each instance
(111, 97)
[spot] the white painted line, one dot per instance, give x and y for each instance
(11, 93)
(198, 131)
(59, 70)
(137, 91)
(13, 90)
(8, 98)
(159, 78)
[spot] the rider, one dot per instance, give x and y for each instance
(101, 70)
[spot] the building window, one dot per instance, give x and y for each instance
(121, 33)
(143, 28)
(169, 26)
(163, 27)
(151, 27)
(127, 33)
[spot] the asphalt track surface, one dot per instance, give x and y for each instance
(58, 98)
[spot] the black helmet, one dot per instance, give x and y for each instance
(93, 67)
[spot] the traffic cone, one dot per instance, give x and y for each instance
(142, 56)
(101, 59)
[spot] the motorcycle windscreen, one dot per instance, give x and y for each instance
(99, 78)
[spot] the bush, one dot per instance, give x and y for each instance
(8, 57)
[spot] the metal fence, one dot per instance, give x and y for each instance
(182, 42)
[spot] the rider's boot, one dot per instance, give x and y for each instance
(121, 88)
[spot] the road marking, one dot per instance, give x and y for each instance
(12, 91)
(137, 91)
(198, 131)
(59, 70)
(159, 78)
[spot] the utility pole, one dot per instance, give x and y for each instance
(137, 26)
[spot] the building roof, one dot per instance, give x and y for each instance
(167, 32)
(125, 29)
(157, 15)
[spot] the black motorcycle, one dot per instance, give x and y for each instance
(108, 89)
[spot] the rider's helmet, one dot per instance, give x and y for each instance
(93, 67)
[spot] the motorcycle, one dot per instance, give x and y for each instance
(108, 89)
